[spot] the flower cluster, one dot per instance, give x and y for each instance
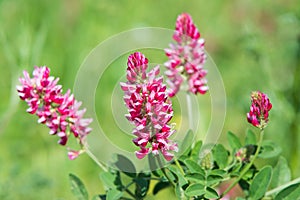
(60, 112)
(259, 110)
(186, 58)
(149, 108)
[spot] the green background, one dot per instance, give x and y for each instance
(255, 44)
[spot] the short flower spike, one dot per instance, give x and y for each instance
(259, 110)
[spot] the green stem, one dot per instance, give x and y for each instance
(179, 166)
(130, 193)
(281, 187)
(164, 171)
(93, 157)
(125, 188)
(230, 166)
(247, 167)
(189, 107)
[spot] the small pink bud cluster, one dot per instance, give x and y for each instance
(149, 108)
(259, 110)
(241, 155)
(60, 112)
(186, 58)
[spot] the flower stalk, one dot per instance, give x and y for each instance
(247, 167)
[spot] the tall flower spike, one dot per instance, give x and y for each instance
(60, 112)
(259, 110)
(149, 108)
(186, 58)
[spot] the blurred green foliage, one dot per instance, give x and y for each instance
(255, 44)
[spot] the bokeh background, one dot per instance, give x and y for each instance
(255, 44)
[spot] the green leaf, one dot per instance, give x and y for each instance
(233, 140)
(96, 197)
(218, 172)
(200, 178)
(182, 158)
(179, 193)
(236, 169)
(196, 151)
(195, 189)
(193, 167)
(159, 186)
(210, 193)
(220, 155)
(99, 197)
(269, 149)
(78, 188)
(180, 178)
(260, 183)
(290, 193)
(126, 166)
(250, 137)
(186, 143)
(281, 173)
(108, 179)
(170, 175)
(212, 179)
(142, 185)
(114, 194)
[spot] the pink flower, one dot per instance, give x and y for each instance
(259, 110)
(72, 154)
(186, 58)
(197, 82)
(185, 29)
(60, 112)
(149, 108)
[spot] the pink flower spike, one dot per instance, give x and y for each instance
(259, 110)
(186, 58)
(185, 27)
(149, 108)
(60, 112)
